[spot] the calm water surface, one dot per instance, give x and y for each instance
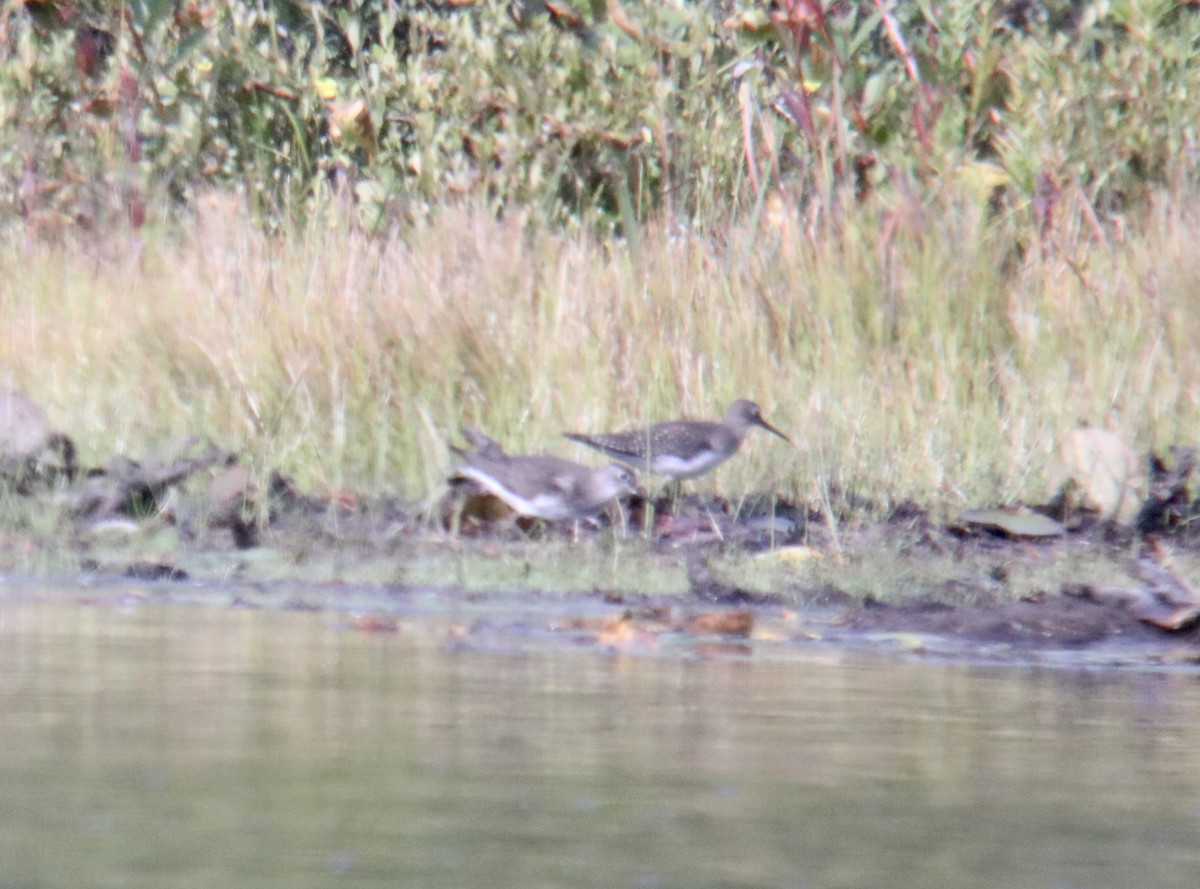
(148, 745)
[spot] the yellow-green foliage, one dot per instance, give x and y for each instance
(909, 351)
(597, 113)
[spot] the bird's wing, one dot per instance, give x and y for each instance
(565, 481)
(684, 441)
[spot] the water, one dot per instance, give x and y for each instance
(146, 745)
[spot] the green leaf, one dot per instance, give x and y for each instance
(874, 91)
(863, 34)
(148, 14)
(184, 50)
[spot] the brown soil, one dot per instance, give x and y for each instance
(1064, 620)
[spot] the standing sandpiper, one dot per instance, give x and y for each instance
(543, 487)
(682, 448)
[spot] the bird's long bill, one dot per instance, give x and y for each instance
(767, 426)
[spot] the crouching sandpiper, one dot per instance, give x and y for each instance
(541, 486)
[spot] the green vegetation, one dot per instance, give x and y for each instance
(592, 111)
(908, 367)
(927, 240)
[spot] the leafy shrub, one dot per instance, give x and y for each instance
(605, 110)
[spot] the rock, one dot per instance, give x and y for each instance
(229, 500)
(1014, 523)
(1100, 473)
(30, 448)
(1168, 504)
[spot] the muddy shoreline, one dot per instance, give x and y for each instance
(691, 573)
(1149, 617)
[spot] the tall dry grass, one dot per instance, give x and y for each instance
(910, 354)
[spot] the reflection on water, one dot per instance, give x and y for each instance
(155, 746)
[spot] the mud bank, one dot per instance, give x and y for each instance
(694, 574)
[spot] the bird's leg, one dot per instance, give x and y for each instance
(672, 493)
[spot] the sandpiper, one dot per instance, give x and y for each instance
(682, 448)
(542, 486)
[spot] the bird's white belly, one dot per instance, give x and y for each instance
(551, 507)
(548, 506)
(680, 468)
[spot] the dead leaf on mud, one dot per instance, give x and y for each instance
(1014, 523)
(774, 634)
(1100, 472)
(641, 628)
(720, 623)
(687, 527)
(622, 633)
(784, 625)
(374, 623)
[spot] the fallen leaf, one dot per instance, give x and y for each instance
(374, 623)
(624, 634)
(720, 623)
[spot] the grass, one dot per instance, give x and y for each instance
(551, 568)
(912, 352)
(892, 568)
